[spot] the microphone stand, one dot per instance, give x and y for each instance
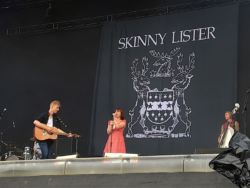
(59, 120)
(2, 132)
(110, 146)
(111, 143)
(2, 143)
(67, 130)
(1, 140)
(244, 111)
(76, 146)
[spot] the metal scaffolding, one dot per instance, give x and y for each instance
(80, 24)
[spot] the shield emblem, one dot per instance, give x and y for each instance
(160, 106)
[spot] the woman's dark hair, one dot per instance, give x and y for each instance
(122, 113)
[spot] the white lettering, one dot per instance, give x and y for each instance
(162, 38)
(143, 42)
(121, 42)
(173, 38)
(197, 34)
(211, 31)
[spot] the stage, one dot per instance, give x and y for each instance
(143, 171)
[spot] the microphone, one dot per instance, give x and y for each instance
(61, 121)
(2, 113)
(236, 108)
(13, 124)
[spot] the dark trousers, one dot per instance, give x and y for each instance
(46, 148)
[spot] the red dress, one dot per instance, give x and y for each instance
(115, 142)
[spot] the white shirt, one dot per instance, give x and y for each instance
(50, 121)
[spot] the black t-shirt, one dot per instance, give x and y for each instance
(43, 118)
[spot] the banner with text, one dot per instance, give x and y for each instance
(173, 75)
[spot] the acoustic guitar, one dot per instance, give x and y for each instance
(52, 133)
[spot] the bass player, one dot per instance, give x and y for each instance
(228, 129)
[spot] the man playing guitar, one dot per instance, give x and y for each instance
(45, 131)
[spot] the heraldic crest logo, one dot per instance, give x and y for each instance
(160, 109)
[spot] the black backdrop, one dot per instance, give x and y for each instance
(197, 104)
(21, 72)
(244, 64)
(37, 69)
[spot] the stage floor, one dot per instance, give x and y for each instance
(172, 171)
(105, 165)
